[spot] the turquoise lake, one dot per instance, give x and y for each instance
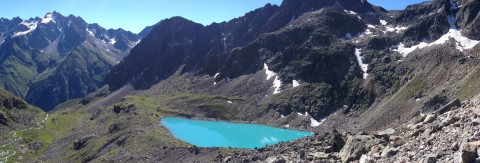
(224, 134)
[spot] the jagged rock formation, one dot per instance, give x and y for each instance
(296, 41)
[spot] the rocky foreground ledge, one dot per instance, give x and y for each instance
(450, 134)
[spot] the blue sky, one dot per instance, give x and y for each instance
(395, 4)
(134, 15)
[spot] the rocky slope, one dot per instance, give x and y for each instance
(16, 113)
(450, 134)
(58, 57)
(297, 42)
(373, 85)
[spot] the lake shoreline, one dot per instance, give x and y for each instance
(229, 134)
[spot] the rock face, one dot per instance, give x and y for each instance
(468, 17)
(295, 42)
(58, 57)
(424, 25)
(15, 113)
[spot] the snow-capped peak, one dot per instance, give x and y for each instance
(32, 25)
(48, 18)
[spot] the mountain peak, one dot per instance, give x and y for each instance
(49, 17)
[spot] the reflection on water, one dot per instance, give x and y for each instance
(224, 134)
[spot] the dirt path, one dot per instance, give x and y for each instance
(5, 154)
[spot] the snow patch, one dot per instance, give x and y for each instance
(91, 32)
(48, 18)
(395, 29)
(113, 40)
(350, 12)
(277, 83)
(214, 77)
(407, 50)
(300, 114)
(230, 102)
(368, 32)
(370, 26)
(462, 43)
(31, 25)
(364, 67)
(288, 126)
(383, 22)
(314, 123)
(269, 73)
(295, 83)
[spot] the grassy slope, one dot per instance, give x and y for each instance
(21, 117)
(17, 69)
(80, 73)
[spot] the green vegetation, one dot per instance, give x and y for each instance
(17, 69)
(213, 106)
(62, 121)
(78, 74)
(470, 86)
(418, 83)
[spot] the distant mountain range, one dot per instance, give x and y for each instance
(52, 59)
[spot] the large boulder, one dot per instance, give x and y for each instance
(356, 146)
(469, 152)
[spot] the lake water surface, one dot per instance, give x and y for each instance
(224, 134)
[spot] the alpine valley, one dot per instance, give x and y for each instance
(373, 85)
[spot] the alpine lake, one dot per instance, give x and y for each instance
(224, 134)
